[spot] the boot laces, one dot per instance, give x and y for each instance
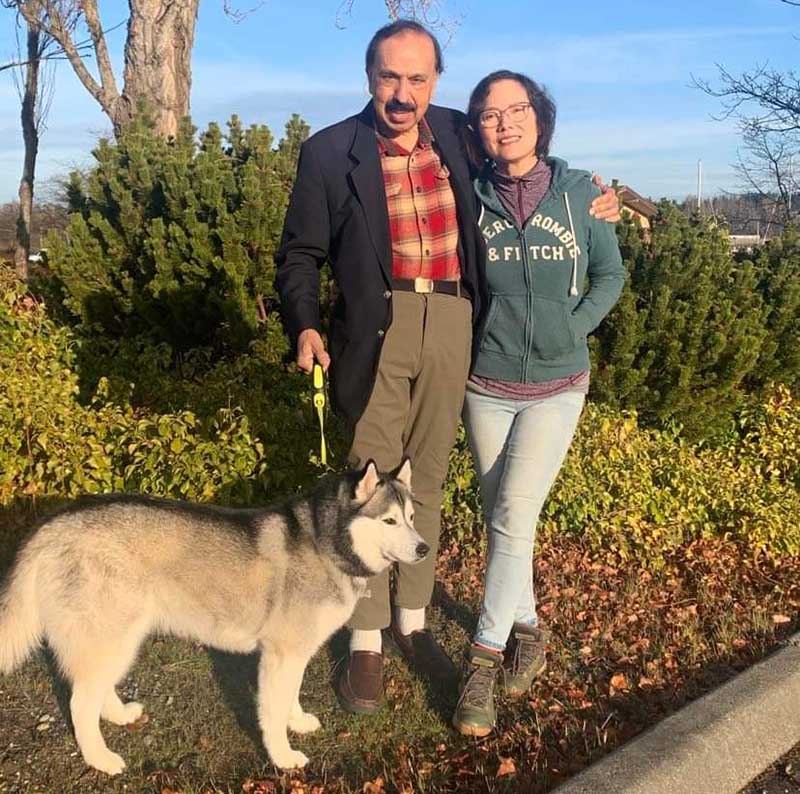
(524, 654)
(479, 687)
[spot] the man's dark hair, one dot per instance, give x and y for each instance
(542, 103)
(395, 29)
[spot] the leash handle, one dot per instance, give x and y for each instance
(319, 401)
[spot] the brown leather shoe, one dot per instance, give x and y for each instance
(423, 653)
(360, 686)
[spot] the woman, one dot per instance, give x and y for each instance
(531, 368)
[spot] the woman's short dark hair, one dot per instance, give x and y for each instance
(395, 29)
(542, 103)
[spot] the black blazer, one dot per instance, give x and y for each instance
(337, 212)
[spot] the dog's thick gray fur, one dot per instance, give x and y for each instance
(95, 580)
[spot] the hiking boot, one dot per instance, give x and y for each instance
(475, 714)
(360, 686)
(424, 654)
(524, 659)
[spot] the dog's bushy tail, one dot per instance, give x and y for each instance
(20, 626)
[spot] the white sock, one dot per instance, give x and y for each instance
(365, 640)
(409, 620)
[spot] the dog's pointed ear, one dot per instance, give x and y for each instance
(403, 473)
(368, 482)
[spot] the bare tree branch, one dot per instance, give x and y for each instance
(766, 166)
(54, 24)
(55, 53)
(428, 12)
(236, 14)
(775, 95)
(766, 104)
(98, 38)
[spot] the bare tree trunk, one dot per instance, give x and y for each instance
(158, 54)
(30, 135)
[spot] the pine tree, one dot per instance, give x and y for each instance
(688, 329)
(778, 266)
(174, 240)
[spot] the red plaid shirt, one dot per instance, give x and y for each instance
(422, 209)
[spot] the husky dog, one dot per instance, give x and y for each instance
(95, 580)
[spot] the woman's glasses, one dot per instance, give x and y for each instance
(491, 117)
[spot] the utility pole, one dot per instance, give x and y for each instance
(699, 187)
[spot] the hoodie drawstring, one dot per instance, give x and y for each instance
(573, 290)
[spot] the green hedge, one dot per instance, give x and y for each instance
(243, 431)
(51, 445)
(690, 327)
(641, 492)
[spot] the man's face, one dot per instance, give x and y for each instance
(402, 81)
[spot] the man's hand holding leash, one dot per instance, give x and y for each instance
(311, 348)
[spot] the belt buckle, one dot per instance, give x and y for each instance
(424, 285)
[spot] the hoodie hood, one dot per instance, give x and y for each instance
(563, 179)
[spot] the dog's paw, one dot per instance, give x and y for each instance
(108, 762)
(304, 723)
(123, 713)
(132, 712)
(291, 759)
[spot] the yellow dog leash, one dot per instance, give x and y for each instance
(319, 399)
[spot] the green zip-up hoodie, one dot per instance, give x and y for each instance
(540, 310)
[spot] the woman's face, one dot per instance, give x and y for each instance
(508, 128)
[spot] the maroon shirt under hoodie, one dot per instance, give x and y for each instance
(521, 195)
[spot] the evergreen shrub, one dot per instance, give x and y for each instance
(174, 240)
(778, 268)
(692, 327)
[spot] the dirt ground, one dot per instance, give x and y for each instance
(783, 777)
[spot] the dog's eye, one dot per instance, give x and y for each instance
(389, 521)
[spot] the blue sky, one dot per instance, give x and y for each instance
(620, 74)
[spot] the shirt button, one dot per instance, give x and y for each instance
(381, 332)
(424, 220)
(387, 294)
(418, 189)
(427, 252)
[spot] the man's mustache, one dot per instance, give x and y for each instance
(394, 106)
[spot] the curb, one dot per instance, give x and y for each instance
(714, 745)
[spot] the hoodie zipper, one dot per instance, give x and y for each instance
(526, 275)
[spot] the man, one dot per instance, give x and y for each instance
(386, 197)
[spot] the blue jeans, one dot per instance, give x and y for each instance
(518, 447)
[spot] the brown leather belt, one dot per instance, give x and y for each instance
(427, 285)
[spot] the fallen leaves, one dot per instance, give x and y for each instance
(376, 786)
(618, 683)
(507, 767)
(251, 786)
(629, 646)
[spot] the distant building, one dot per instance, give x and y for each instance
(745, 242)
(638, 208)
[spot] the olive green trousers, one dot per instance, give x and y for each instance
(413, 412)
